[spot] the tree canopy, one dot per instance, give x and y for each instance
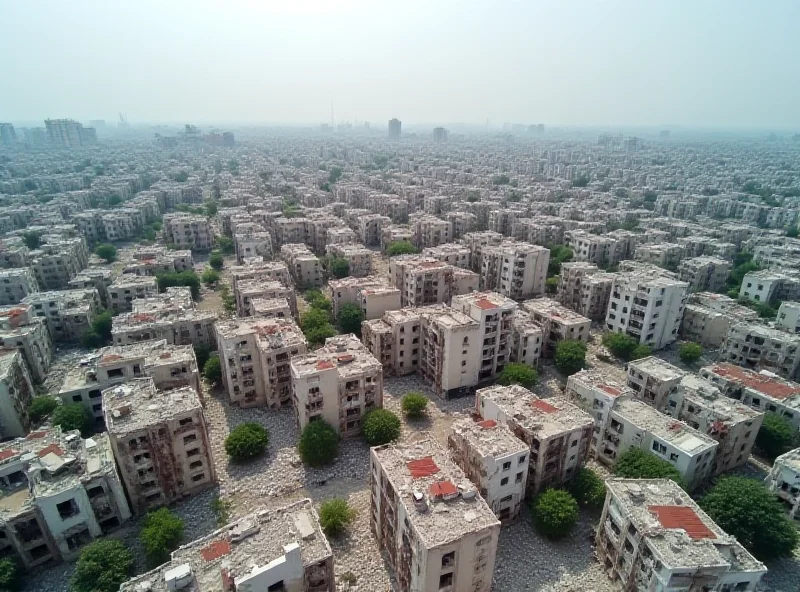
(106, 252)
(216, 260)
(380, 426)
(340, 267)
(636, 463)
(350, 318)
(690, 352)
(570, 356)
(555, 513)
(161, 534)
(212, 370)
(775, 437)
(588, 489)
(41, 407)
(414, 404)
(518, 373)
(401, 248)
(74, 416)
(247, 441)
(335, 515)
(319, 444)
(181, 278)
(102, 567)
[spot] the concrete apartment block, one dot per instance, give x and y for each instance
(704, 274)
(664, 255)
(59, 260)
(514, 269)
(451, 253)
(188, 231)
(784, 481)
(68, 313)
(261, 270)
(584, 288)
(248, 291)
(255, 358)
(557, 432)
(49, 514)
(160, 441)
(271, 308)
(461, 223)
(768, 285)
(338, 383)
(270, 549)
(394, 234)
(16, 394)
(646, 307)
(429, 231)
(653, 379)
(527, 339)
(653, 536)
(16, 284)
(374, 295)
(290, 231)
(359, 258)
(19, 329)
(759, 347)
(170, 366)
(424, 280)
(708, 317)
(369, 228)
(788, 317)
(252, 240)
(340, 235)
(603, 251)
(632, 423)
(99, 279)
(495, 460)
(449, 532)
(477, 242)
(126, 288)
(303, 265)
(763, 391)
(558, 323)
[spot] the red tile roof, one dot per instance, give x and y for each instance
(36, 435)
(614, 392)
(442, 488)
(422, 467)
(215, 550)
(487, 423)
(772, 387)
(485, 304)
(4, 454)
(682, 517)
(54, 448)
(543, 406)
(324, 365)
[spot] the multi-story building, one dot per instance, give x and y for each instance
(99, 279)
(557, 432)
(784, 481)
(372, 294)
(338, 383)
(584, 288)
(21, 330)
(68, 313)
(527, 338)
(270, 549)
(704, 274)
(429, 231)
(603, 251)
(653, 536)
(65, 133)
(58, 261)
(271, 308)
(514, 269)
(451, 253)
(255, 358)
(664, 255)
(759, 347)
(653, 380)
(303, 265)
(16, 394)
(788, 317)
(708, 317)
(425, 280)
(247, 292)
(477, 242)
(359, 258)
(763, 391)
(434, 528)
(16, 284)
(188, 231)
(461, 223)
(768, 285)
(394, 234)
(370, 227)
(160, 441)
(558, 323)
(647, 307)
(491, 456)
(262, 270)
(632, 423)
(126, 288)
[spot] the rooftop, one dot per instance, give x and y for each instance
(488, 438)
(488, 301)
(137, 404)
(596, 379)
(657, 368)
(724, 409)
(765, 383)
(554, 310)
(345, 353)
(449, 507)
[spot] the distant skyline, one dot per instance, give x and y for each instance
(625, 63)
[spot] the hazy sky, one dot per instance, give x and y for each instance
(636, 62)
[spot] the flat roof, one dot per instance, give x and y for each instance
(137, 404)
(489, 438)
(766, 384)
(669, 429)
(657, 368)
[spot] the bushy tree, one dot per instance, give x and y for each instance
(775, 437)
(558, 254)
(350, 318)
(212, 208)
(41, 407)
(216, 261)
(161, 534)
(210, 277)
(636, 463)
(226, 245)
(10, 580)
(380, 426)
(316, 299)
(555, 513)
(102, 325)
(212, 370)
(183, 278)
(316, 325)
(619, 344)
(318, 335)
(335, 515)
(106, 252)
(102, 567)
(247, 441)
(690, 352)
(640, 351)
(744, 508)
(518, 373)
(31, 239)
(91, 340)
(414, 404)
(319, 444)
(570, 356)
(340, 267)
(588, 489)
(793, 232)
(551, 284)
(74, 416)
(201, 353)
(401, 248)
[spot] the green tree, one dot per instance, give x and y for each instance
(102, 325)
(41, 407)
(225, 245)
(335, 515)
(113, 200)
(161, 534)
(212, 370)
(775, 436)
(74, 416)
(744, 508)
(102, 567)
(581, 181)
(558, 254)
(212, 208)
(501, 179)
(222, 510)
(636, 463)
(414, 404)
(793, 232)
(690, 352)
(350, 318)
(555, 513)
(319, 444)
(183, 278)
(10, 580)
(314, 318)
(32, 240)
(588, 489)
(641, 351)
(318, 335)
(401, 248)
(340, 267)
(551, 284)
(216, 261)
(518, 373)
(316, 300)
(247, 441)
(181, 177)
(335, 175)
(106, 251)
(210, 277)
(91, 340)
(619, 344)
(570, 356)
(380, 426)
(201, 353)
